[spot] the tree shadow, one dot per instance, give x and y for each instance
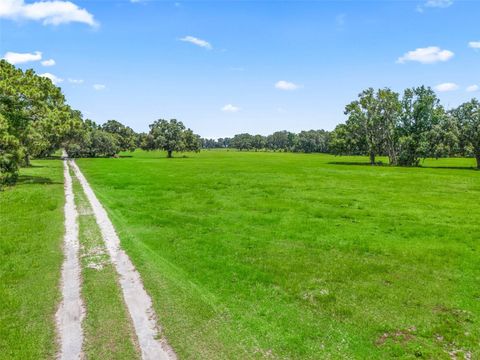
(28, 179)
(348, 163)
(355, 163)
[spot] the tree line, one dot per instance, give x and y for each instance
(36, 121)
(381, 123)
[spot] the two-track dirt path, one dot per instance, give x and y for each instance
(71, 311)
(138, 302)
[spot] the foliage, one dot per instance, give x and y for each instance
(468, 120)
(125, 136)
(171, 136)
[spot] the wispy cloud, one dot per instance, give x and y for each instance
(75, 81)
(49, 62)
(54, 12)
(428, 55)
(340, 20)
(286, 85)
(99, 87)
(446, 87)
(230, 108)
(20, 58)
(434, 4)
(196, 41)
(472, 88)
(55, 79)
(474, 45)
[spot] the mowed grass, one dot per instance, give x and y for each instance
(31, 235)
(297, 256)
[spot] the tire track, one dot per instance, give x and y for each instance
(71, 311)
(139, 303)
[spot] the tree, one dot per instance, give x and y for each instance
(171, 136)
(312, 141)
(281, 140)
(10, 155)
(126, 137)
(35, 110)
(389, 110)
(364, 122)
(468, 117)
(421, 111)
(93, 141)
(259, 142)
(242, 142)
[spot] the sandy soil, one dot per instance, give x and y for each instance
(71, 311)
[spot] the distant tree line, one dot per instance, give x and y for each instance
(36, 121)
(311, 141)
(406, 129)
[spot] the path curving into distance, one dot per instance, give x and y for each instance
(71, 311)
(139, 303)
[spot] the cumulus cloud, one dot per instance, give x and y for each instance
(55, 79)
(99, 87)
(230, 108)
(446, 87)
(196, 41)
(20, 58)
(49, 62)
(53, 12)
(428, 55)
(472, 88)
(286, 85)
(75, 81)
(474, 44)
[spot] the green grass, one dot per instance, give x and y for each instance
(31, 235)
(108, 331)
(275, 255)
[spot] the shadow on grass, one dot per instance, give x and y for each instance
(387, 165)
(27, 179)
(355, 163)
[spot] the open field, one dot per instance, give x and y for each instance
(31, 232)
(280, 255)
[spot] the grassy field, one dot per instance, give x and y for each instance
(31, 235)
(269, 255)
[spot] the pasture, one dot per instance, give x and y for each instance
(281, 255)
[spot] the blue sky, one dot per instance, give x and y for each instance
(227, 67)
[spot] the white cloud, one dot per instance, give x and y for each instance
(230, 108)
(474, 44)
(285, 85)
(54, 12)
(55, 79)
(438, 3)
(434, 4)
(428, 55)
(472, 88)
(446, 87)
(75, 81)
(99, 87)
(49, 62)
(20, 58)
(196, 41)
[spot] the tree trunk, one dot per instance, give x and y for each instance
(169, 153)
(372, 158)
(478, 160)
(27, 160)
